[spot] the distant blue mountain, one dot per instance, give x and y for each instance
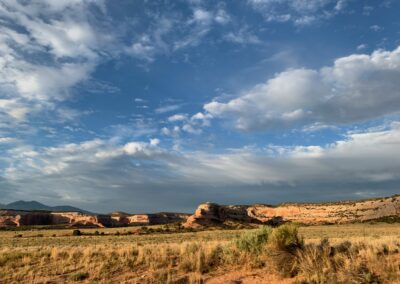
(34, 205)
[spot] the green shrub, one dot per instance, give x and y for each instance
(253, 241)
(283, 244)
(286, 238)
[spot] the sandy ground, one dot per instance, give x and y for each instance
(250, 277)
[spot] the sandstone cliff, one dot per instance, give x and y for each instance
(314, 213)
(17, 218)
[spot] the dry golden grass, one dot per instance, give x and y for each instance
(372, 257)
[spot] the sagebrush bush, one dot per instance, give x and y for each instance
(314, 261)
(254, 241)
(344, 263)
(283, 244)
(286, 238)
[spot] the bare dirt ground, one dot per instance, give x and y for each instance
(247, 277)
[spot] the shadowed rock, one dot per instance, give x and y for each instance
(17, 218)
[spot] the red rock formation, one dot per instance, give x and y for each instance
(16, 218)
(140, 219)
(157, 218)
(333, 213)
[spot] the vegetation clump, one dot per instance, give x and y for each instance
(76, 233)
(254, 241)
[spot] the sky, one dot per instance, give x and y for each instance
(147, 106)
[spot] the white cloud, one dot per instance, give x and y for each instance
(202, 16)
(14, 109)
(351, 165)
(362, 157)
(299, 12)
(376, 28)
(168, 108)
(54, 160)
(64, 40)
(174, 131)
(361, 46)
(222, 17)
(7, 140)
(242, 36)
(192, 125)
(139, 100)
(202, 118)
(177, 117)
(161, 38)
(356, 88)
(143, 49)
(154, 141)
(190, 129)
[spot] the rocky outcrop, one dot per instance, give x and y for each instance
(157, 218)
(211, 213)
(322, 213)
(17, 218)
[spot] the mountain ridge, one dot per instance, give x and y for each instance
(35, 205)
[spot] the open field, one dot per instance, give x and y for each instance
(213, 256)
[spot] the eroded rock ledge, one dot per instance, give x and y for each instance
(17, 218)
(312, 214)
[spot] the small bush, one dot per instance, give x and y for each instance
(286, 238)
(253, 241)
(283, 244)
(76, 233)
(315, 261)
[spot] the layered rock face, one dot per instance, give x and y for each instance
(157, 218)
(211, 213)
(323, 213)
(16, 218)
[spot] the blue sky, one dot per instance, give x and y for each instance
(160, 105)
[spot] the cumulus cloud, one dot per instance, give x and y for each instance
(50, 161)
(356, 88)
(45, 49)
(177, 117)
(192, 125)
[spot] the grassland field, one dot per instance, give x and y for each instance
(162, 255)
